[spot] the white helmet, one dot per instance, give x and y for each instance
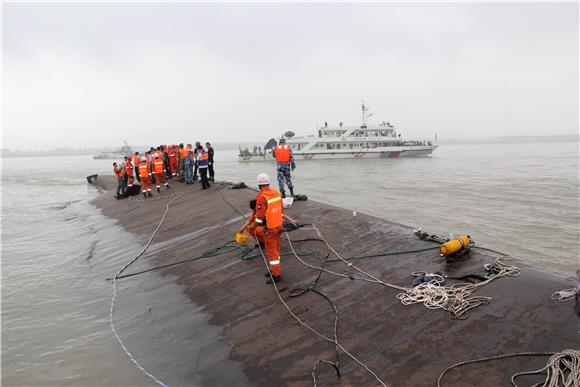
(143, 158)
(156, 155)
(263, 179)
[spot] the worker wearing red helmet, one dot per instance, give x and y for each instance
(129, 171)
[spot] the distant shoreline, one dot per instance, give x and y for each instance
(234, 146)
(510, 140)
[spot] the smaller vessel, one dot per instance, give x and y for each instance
(125, 150)
(382, 141)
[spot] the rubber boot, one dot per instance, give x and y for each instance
(145, 194)
(292, 191)
(158, 190)
(276, 279)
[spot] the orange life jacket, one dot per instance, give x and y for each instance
(283, 153)
(136, 160)
(118, 171)
(129, 168)
(158, 166)
(275, 210)
(144, 169)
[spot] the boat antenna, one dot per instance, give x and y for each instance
(365, 113)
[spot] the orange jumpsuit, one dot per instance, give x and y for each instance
(159, 169)
(145, 175)
(268, 219)
(173, 161)
(130, 173)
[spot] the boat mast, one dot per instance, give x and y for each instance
(365, 114)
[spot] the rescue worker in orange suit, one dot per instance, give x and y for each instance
(173, 160)
(120, 180)
(136, 159)
(285, 164)
(129, 171)
(145, 174)
(160, 171)
(266, 225)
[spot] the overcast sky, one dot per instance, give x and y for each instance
(84, 75)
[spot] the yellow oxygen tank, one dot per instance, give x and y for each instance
(241, 238)
(454, 245)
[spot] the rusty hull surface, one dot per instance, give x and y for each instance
(404, 345)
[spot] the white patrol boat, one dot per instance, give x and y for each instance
(382, 141)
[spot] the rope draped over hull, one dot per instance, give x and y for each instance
(562, 369)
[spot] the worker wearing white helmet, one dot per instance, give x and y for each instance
(145, 176)
(266, 225)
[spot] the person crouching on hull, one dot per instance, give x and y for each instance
(145, 175)
(266, 225)
(160, 172)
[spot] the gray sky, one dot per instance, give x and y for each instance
(83, 75)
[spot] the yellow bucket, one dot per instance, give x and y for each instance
(241, 238)
(454, 245)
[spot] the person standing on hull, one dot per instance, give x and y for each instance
(285, 164)
(136, 159)
(173, 160)
(129, 172)
(202, 164)
(210, 161)
(145, 175)
(160, 172)
(120, 180)
(188, 160)
(165, 155)
(196, 158)
(266, 225)
(182, 154)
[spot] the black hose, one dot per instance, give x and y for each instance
(491, 250)
(297, 292)
(208, 254)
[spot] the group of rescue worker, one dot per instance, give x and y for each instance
(166, 162)
(182, 163)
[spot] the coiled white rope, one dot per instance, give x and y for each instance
(562, 369)
(565, 295)
(456, 299)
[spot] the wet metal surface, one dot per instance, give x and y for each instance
(404, 345)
